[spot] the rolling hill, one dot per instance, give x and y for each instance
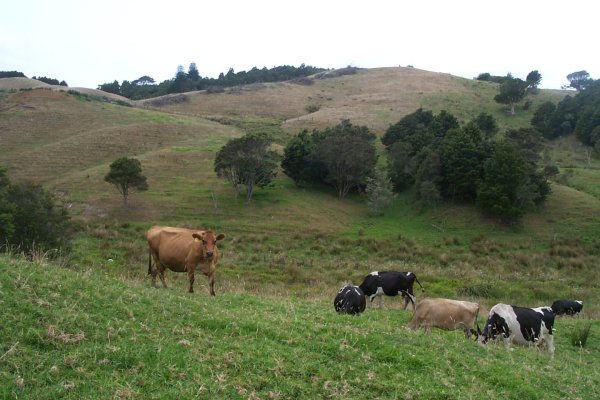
(66, 140)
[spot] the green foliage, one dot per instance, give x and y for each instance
(486, 124)
(504, 175)
(512, 91)
(449, 163)
(533, 80)
(125, 175)
(541, 119)
(462, 154)
(12, 74)
(247, 161)
(579, 114)
(510, 185)
(296, 155)
(343, 157)
(412, 129)
(578, 80)
(30, 218)
(401, 168)
(379, 192)
(191, 80)
(347, 153)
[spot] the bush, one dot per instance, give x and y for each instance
(31, 218)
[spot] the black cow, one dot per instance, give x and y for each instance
(350, 300)
(390, 283)
(520, 325)
(569, 307)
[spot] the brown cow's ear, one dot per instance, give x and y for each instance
(220, 236)
(196, 236)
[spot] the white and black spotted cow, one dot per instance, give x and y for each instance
(350, 300)
(520, 325)
(569, 307)
(390, 283)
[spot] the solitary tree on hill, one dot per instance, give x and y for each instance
(126, 176)
(512, 91)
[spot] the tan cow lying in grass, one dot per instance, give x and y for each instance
(446, 314)
(183, 250)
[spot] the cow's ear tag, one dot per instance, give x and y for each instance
(196, 239)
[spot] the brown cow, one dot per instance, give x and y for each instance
(446, 314)
(182, 250)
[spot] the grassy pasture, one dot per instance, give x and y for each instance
(73, 335)
(271, 332)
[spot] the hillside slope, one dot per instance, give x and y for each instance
(375, 97)
(74, 335)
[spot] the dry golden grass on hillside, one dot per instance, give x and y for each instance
(20, 83)
(376, 98)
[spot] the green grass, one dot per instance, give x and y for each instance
(73, 335)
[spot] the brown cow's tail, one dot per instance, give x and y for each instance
(149, 262)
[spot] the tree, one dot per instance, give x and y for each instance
(510, 186)
(193, 73)
(379, 192)
(461, 156)
(578, 80)
(400, 165)
(487, 124)
(541, 119)
(144, 81)
(412, 128)
(533, 80)
(247, 161)
(512, 91)
(111, 87)
(126, 176)
(296, 157)
(349, 155)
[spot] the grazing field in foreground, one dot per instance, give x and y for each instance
(82, 334)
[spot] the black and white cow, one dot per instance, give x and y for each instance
(390, 283)
(350, 300)
(520, 325)
(569, 307)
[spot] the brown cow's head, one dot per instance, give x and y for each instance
(208, 242)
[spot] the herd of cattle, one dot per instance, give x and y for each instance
(184, 250)
(519, 325)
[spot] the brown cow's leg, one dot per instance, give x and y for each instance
(161, 273)
(211, 283)
(191, 278)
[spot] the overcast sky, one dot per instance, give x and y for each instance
(87, 43)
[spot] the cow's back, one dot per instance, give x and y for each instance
(445, 313)
(171, 245)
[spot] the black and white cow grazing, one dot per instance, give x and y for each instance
(350, 300)
(390, 283)
(520, 325)
(569, 307)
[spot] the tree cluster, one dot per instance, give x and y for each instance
(12, 74)
(247, 162)
(30, 218)
(342, 157)
(50, 81)
(513, 90)
(579, 114)
(444, 161)
(145, 87)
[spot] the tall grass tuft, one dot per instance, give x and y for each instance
(580, 335)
